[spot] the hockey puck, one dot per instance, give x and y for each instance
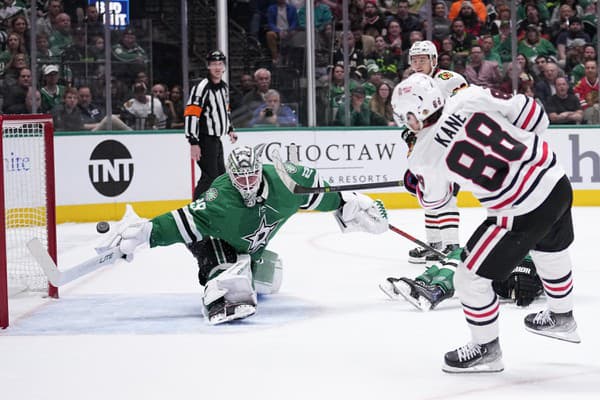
(102, 227)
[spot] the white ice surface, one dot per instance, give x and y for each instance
(134, 330)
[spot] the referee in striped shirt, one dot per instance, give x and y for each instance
(207, 118)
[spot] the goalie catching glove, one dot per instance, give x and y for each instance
(360, 213)
(523, 285)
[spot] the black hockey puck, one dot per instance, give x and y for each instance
(102, 227)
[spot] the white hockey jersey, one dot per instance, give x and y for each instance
(489, 146)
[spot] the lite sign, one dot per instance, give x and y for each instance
(118, 10)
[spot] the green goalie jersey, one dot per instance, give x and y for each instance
(221, 213)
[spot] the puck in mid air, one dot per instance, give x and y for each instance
(102, 227)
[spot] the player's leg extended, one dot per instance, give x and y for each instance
(267, 273)
(430, 288)
(227, 280)
(491, 253)
(553, 262)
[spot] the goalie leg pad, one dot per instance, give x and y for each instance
(360, 213)
(267, 273)
(230, 295)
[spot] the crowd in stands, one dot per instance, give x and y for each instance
(556, 52)
(556, 60)
(70, 57)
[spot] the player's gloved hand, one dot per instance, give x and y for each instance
(134, 236)
(523, 285)
(410, 182)
(360, 213)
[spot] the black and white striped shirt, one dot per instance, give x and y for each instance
(207, 111)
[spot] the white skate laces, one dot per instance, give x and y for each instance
(544, 318)
(468, 352)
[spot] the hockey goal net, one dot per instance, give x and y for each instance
(27, 205)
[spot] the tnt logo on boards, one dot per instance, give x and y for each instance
(111, 168)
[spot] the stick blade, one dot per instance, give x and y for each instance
(41, 256)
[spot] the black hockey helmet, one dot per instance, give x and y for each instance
(215, 55)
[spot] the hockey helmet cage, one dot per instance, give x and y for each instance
(418, 96)
(244, 167)
(215, 55)
(424, 47)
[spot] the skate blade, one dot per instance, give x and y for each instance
(494, 366)
(413, 260)
(387, 288)
(572, 336)
(403, 292)
(241, 311)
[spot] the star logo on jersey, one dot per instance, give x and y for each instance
(260, 236)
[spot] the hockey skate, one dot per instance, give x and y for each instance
(222, 311)
(424, 297)
(555, 325)
(472, 358)
(431, 257)
(418, 255)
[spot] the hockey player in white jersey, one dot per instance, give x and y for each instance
(490, 146)
(435, 284)
(441, 226)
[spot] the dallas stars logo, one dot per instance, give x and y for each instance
(260, 236)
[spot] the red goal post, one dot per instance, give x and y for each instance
(27, 204)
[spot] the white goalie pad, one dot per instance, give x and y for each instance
(268, 273)
(361, 214)
(233, 288)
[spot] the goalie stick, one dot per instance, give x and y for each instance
(299, 189)
(58, 277)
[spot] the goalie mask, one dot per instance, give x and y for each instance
(415, 100)
(245, 171)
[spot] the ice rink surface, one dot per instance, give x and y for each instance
(135, 330)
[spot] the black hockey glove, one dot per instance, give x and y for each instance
(523, 285)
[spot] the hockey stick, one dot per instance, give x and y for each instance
(59, 278)
(299, 189)
(415, 240)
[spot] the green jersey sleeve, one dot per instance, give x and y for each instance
(309, 177)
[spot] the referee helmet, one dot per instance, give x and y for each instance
(215, 55)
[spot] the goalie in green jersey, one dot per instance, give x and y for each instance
(229, 227)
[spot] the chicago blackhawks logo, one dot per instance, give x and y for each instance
(260, 237)
(445, 75)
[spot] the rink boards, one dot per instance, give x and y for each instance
(97, 174)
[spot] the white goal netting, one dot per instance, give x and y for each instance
(25, 201)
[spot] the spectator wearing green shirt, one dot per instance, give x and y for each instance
(52, 93)
(61, 36)
(489, 53)
(533, 45)
(322, 16)
(502, 42)
(131, 58)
